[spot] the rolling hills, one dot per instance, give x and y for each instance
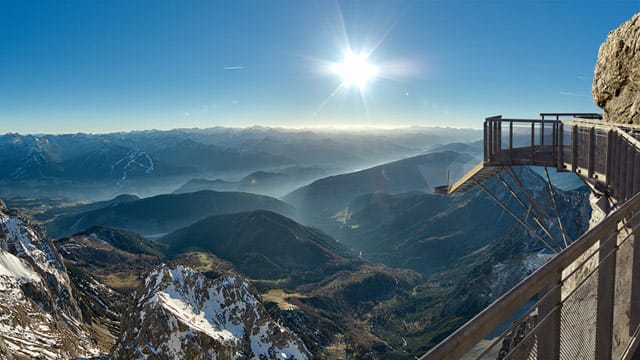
(164, 213)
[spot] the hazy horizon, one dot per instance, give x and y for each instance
(319, 128)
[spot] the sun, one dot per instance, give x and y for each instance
(355, 70)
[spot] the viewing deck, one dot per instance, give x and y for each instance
(585, 302)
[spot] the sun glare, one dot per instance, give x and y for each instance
(356, 70)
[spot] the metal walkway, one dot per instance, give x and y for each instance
(585, 302)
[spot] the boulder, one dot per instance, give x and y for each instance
(616, 81)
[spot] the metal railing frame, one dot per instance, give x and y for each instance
(547, 276)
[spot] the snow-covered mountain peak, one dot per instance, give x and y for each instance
(179, 312)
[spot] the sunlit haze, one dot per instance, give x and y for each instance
(76, 66)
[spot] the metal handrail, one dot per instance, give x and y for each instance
(479, 327)
(574, 115)
(528, 121)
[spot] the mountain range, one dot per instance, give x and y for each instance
(272, 183)
(151, 162)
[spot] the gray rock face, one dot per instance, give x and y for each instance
(178, 313)
(616, 82)
(39, 316)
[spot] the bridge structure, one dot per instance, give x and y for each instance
(584, 303)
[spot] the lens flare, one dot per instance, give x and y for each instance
(355, 70)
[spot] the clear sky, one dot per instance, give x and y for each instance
(100, 66)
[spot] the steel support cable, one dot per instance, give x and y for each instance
(525, 225)
(531, 199)
(538, 208)
(555, 207)
(627, 351)
(544, 228)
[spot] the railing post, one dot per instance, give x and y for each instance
(554, 143)
(606, 287)
(630, 173)
(493, 137)
(621, 195)
(533, 134)
(634, 316)
(615, 163)
(486, 143)
(608, 170)
(636, 174)
(574, 149)
(499, 133)
(592, 152)
(510, 142)
(560, 164)
(542, 132)
(497, 137)
(549, 334)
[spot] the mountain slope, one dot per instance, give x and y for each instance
(115, 257)
(165, 213)
(39, 314)
(181, 314)
(420, 173)
(425, 232)
(262, 245)
(54, 212)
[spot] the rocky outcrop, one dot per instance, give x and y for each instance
(178, 313)
(39, 316)
(616, 81)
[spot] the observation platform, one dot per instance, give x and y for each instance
(584, 303)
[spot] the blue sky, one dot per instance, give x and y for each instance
(100, 66)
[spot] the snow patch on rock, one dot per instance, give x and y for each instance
(180, 312)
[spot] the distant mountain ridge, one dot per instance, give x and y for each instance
(272, 183)
(165, 213)
(419, 173)
(119, 159)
